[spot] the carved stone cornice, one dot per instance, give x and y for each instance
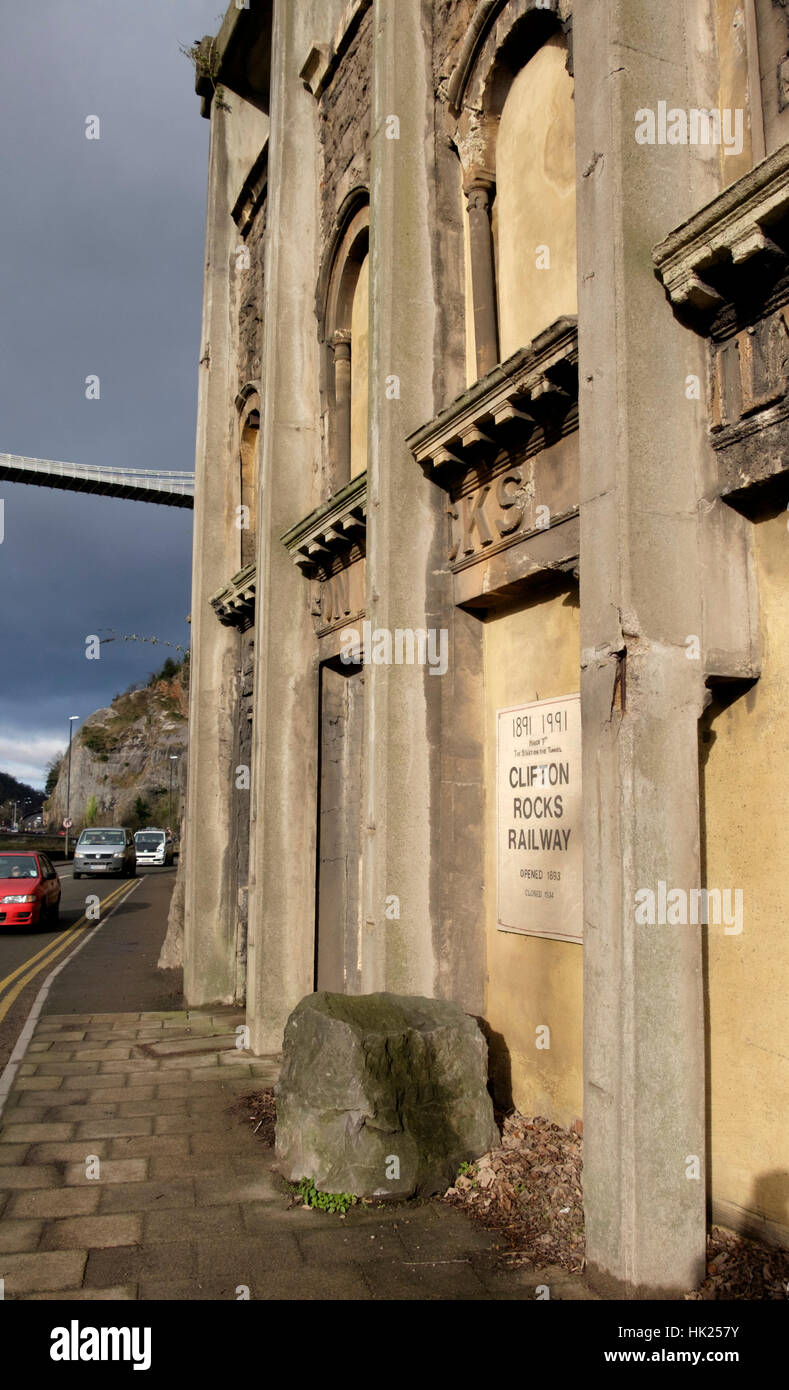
(234, 605)
(333, 530)
(238, 58)
(704, 261)
(534, 390)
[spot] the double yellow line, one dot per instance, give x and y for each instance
(49, 953)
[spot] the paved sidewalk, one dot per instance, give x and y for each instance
(124, 1175)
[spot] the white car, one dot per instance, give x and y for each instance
(153, 847)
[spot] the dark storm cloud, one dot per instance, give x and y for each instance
(101, 251)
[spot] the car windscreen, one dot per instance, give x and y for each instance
(102, 837)
(148, 841)
(18, 866)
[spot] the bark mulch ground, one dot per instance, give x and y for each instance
(529, 1191)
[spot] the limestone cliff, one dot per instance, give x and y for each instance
(121, 755)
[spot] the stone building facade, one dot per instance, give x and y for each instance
(490, 665)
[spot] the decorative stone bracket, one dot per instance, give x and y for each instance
(323, 59)
(235, 604)
(704, 262)
(531, 393)
(338, 529)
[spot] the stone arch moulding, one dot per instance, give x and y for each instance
(497, 28)
(347, 248)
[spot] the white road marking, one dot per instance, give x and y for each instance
(20, 1047)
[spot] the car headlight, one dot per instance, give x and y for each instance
(20, 898)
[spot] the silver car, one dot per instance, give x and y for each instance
(105, 850)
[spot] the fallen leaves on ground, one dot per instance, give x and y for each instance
(740, 1268)
(529, 1190)
(259, 1109)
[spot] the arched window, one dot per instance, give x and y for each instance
(343, 305)
(535, 199)
(516, 140)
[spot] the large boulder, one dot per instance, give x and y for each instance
(382, 1095)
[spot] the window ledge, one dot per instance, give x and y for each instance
(533, 390)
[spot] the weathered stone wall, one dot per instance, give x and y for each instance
(451, 19)
(249, 300)
(246, 686)
(344, 125)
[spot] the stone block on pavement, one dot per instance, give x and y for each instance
(382, 1095)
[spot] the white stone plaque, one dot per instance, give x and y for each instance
(539, 849)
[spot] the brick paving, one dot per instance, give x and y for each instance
(124, 1175)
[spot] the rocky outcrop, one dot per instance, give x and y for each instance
(122, 753)
(382, 1095)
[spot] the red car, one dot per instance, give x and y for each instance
(29, 890)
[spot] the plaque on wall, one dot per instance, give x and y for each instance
(539, 848)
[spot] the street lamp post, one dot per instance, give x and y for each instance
(71, 719)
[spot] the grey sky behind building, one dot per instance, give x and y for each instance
(101, 255)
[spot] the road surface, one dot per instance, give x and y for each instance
(115, 972)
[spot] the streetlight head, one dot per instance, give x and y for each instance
(73, 716)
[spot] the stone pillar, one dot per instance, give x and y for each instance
(642, 461)
(281, 963)
(210, 890)
(404, 515)
(483, 276)
(342, 405)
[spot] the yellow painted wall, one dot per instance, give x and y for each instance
(535, 198)
(360, 351)
(746, 784)
(532, 654)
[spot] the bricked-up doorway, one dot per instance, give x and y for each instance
(339, 829)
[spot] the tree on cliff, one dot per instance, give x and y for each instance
(53, 772)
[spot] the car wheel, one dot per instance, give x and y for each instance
(54, 914)
(78, 875)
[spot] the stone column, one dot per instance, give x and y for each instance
(483, 275)
(280, 969)
(403, 516)
(210, 889)
(341, 343)
(642, 461)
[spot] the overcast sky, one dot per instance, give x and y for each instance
(101, 251)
